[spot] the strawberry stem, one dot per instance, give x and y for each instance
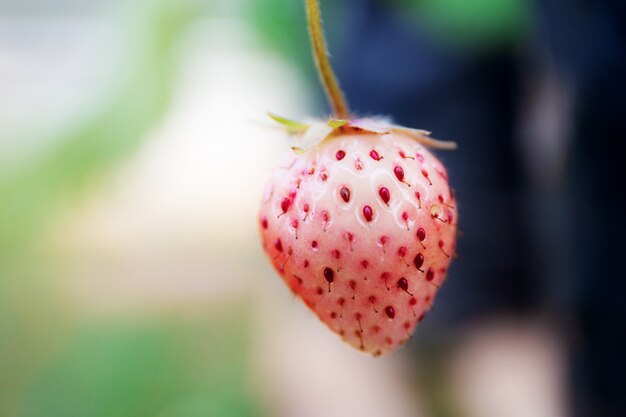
(334, 94)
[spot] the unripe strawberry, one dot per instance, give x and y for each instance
(362, 228)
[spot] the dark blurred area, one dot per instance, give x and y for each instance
(535, 94)
(132, 282)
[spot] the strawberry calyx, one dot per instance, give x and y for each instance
(307, 135)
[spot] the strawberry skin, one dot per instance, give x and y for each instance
(362, 228)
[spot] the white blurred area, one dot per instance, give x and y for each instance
(49, 68)
(174, 227)
(176, 224)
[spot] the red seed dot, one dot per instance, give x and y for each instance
(405, 216)
(340, 155)
(403, 284)
(278, 245)
(412, 301)
(329, 275)
(368, 213)
(344, 192)
(419, 157)
(375, 329)
(341, 301)
(418, 260)
(320, 291)
(375, 156)
(306, 263)
(264, 222)
(352, 285)
(436, 212)
(399, 172)
(372, 299)
(430, 274)
(285, 203)
(402, 251)
(348, 236)
(390, 312)
(421, 234)
(325, 218)
(333, 315)
(384, 194)
(314, 244)
(336, 254)
(364, 263)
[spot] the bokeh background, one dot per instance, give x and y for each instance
(133, 149)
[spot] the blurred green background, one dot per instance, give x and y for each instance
(117, 65)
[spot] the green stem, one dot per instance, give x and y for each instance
(334, 94)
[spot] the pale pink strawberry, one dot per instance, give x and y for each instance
(362, 227)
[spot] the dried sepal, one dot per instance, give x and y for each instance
(376, 126)
(313, 136)
(309, 135)
(423, 137)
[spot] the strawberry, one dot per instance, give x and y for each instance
(360, 222)
(362, 228)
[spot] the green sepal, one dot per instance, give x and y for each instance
(291, 126)
(337, 123)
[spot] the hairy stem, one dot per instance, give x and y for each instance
(334, 94)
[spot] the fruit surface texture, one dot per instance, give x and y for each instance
(362, 227)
